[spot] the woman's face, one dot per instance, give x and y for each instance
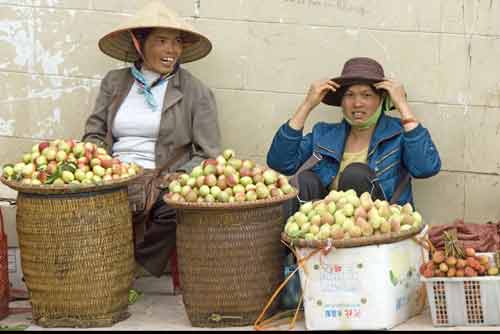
(359, 103)
(162, 49)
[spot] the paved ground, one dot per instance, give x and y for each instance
(159, 309)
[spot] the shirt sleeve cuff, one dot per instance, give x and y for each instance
(288, 132)
(419, 129)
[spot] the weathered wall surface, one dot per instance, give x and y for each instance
(265, 55)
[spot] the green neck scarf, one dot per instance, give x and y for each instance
(384, 106)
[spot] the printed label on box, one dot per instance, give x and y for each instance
(339, 312)
(338, 278)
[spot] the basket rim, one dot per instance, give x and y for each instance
(69, 188)
(386, 238)
(459, 279)
(231, 206)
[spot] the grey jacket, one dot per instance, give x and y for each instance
(189, 118)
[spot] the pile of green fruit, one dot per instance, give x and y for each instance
(228, 179)
(61, 162)
(344, 215)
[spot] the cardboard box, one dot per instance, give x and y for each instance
(362, 288)
(15, 270)
(9, 219)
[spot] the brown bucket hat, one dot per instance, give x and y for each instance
(118, 44)
(360, 70)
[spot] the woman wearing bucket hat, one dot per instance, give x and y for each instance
(156, 114)
(367, 151)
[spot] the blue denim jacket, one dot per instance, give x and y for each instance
(391, 149)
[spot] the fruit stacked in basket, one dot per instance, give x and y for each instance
(458, 261)
(61, 162)
(343, 215)
(228, 179)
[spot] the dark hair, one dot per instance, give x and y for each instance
(142, 34)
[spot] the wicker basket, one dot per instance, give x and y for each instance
(230, 259)
(76, 254)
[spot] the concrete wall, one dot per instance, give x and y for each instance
(265, 55)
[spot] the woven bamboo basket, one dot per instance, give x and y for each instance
(77, 253)
(230, 259)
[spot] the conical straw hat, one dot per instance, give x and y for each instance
(118, 43)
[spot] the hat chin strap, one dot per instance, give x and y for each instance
(137, 47)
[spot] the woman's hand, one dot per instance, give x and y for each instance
(398, 96)
(315, 95)
(396, 92)
(318, 90)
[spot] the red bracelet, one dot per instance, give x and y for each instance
(408, 120)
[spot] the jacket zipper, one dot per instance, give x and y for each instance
(328, 150)
(387, 155)
(383, 139)
(387, 168)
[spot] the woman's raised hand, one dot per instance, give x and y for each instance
(396, 91)
(315, 95)
(398, 96)
(318, 90)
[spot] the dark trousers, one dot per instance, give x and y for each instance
(310, 188)
(154, 250)
(355, 176)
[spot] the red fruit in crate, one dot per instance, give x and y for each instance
(451, 261)
(422, 268)
(481, 270)
(428, 273)
(438, 273)
(470, 252)
(461, 263)
(483, 259)
(438, 257)
(460, 273)
(469, 272)
(430, 265)
(452, 272)
(493, 271)
(473, 263)
(443, 267)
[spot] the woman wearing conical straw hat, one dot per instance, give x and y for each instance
(155, 111)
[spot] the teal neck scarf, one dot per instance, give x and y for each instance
(144, 88)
